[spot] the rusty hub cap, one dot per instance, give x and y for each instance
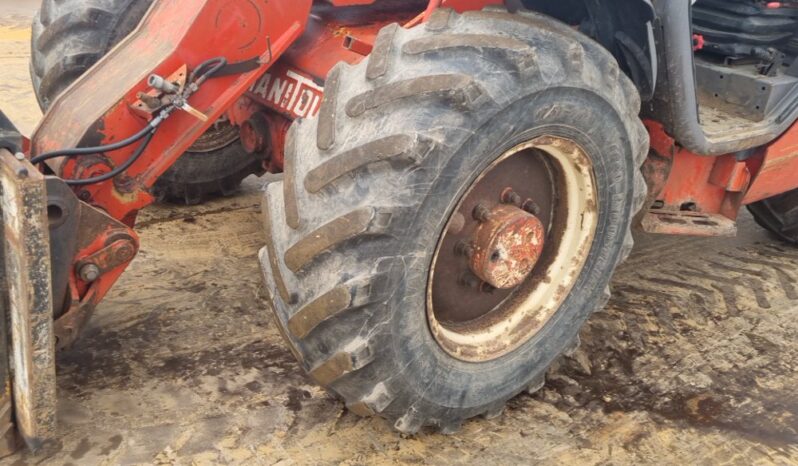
(512, 249)
(507, 245)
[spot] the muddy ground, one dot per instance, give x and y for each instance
(695, 360)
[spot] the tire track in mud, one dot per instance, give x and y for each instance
(705, 340)
(187, 338)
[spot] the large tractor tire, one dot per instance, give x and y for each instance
(69, 36)
(779, 214)
(461, 154)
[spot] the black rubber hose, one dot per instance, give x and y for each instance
(119, 169)
(91, 150)
(199, 74)
(196, 78)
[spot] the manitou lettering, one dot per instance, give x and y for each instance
(289, 92)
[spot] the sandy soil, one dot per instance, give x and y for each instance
(16, 95)
(693, 362)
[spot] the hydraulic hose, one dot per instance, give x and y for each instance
(116, 171)
(201, 73)
(91, 150)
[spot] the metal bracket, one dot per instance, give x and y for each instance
(119, 252)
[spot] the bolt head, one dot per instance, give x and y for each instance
(481, 213)
(531, 206)
(125, 253)
(464, 248)
(89, 273)
(510, 197)
(19, 156)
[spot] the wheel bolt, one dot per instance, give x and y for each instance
(531, 206)
(481, 213)
(511, 197)
(464, 248)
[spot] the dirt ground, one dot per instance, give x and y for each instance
(695, 360)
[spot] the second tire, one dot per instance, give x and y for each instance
(69, 36)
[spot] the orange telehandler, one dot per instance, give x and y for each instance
(460, 177)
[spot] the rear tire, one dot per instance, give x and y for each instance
(353, 227)
(779, 215)
(69, 36)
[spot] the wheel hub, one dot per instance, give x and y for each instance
(507, 245)
(512, 248)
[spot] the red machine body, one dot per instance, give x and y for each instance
(701, 195)
(285, 54)
(173, 36)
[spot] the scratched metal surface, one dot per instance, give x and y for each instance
(694, 361)
(27, 267)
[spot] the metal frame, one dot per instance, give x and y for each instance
(675, 102)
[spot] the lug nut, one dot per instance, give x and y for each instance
(89, 273)
(464, 248)
(510, 197)
(481, 213)
(531, 206)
